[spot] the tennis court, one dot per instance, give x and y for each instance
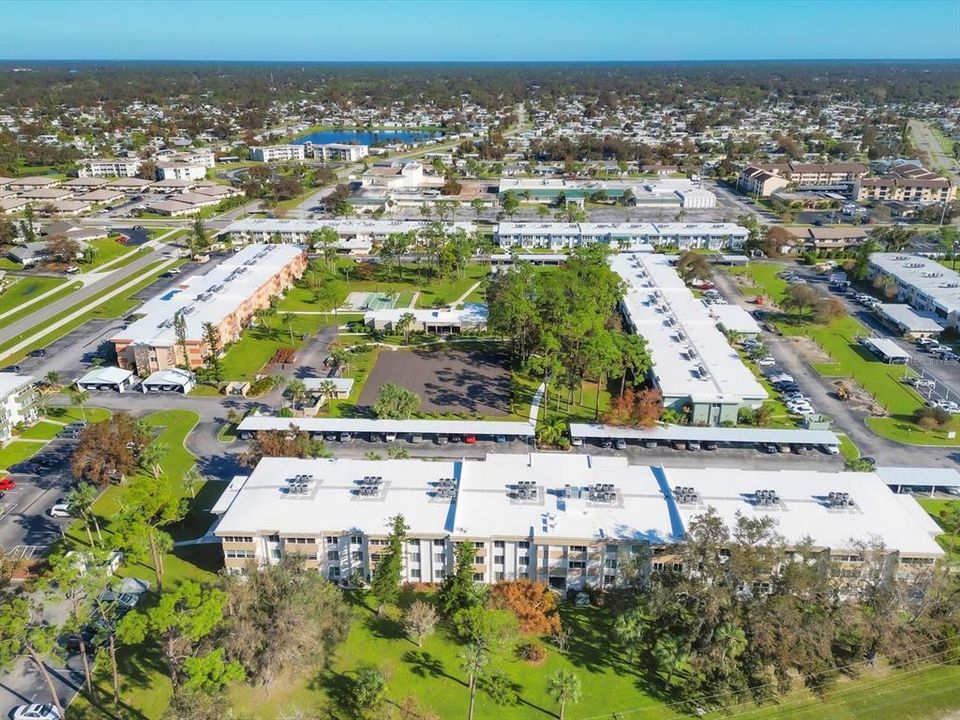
(370, 301)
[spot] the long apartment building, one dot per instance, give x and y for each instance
(926, 285)
(340, 152)
(227, 296)
(354, 235)
(109, 167)
(17, 403)
(815, 174)
(565, 520)
(906, 183)
(277, 153)
(624, 236)
(694, 365)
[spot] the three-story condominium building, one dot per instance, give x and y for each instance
(228, 297)
(621, 235)
(17, 403)
(565, 520)
(277, 153)
(108, 167)
(925, 284)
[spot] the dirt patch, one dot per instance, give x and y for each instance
(809, 350)
(447, 381)
(857, 398)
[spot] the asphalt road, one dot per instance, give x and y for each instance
(886, 452)
(25, 326)
(927, 142)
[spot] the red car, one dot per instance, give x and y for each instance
(470, 439)
(7, 483)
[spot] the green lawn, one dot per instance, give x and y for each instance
(107, 249)
(924, 693)
(24, 289)
(246, 357)
(883, 381)
(361, 363)
(432, 673)
(62, 292)
(41, 430)
(847, 448)
(764, 280)
(16, 451)
(115, 307)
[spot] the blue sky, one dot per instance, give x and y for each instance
(446, 30)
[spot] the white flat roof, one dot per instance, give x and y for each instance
(107, 375)
(734, 318)
(928, 276)
(346, 227)
(343, 385)
(11, 382)
(877, 513)
(364, 425)
(920, 476)
(170, 376)
(718, 434)
(909, 318)
(625, 230)
(888, 348)
(485, 503)
(691, 357)
(208, 298)
(469, 314)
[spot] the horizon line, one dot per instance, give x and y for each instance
(487, 62)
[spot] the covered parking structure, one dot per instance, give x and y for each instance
(372, 429)
(107, 378)
(722, 436)
(169, 380)
(927, 479)
(887, 350)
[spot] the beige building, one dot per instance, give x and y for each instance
(757, 181)
(566, 520)
(228, 297)
(906, 183)
(812, 174)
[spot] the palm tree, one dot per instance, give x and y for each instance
(192, 478)
(405, 325)
(669, 654)
(80, 504)
(341, 358)
(328, 390)
(564, 687)
(288, 319)
(297, 391)
(77, 398)
(474, 660)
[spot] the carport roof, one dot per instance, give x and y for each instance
(716, 434)
(363, 425)
(920, 476)
(170, 376)
(105, 376)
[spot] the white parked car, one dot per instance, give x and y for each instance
(60, 509)
(768, 361)
(35, 712)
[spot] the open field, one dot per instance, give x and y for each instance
(246, 357)
(24, 289)
(763, 280)
(451, 380)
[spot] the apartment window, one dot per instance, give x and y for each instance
(498, 559)
(612, 564)
(333, 555)
(274, 553)
(499, 544)
(576, 564)
(524, 576)
(657, 567)
(677, 566)
(300, 541)
(523, 544)
(374, 557)
(438, 557)
(578, 548)
(331, 540)
(479, 546)
(439, 574)
(273, 538)
(478, 560)
(415, 573)
(523, 561)
(612, 549)
(356, 539)
(241, 554)
(478, 577)
(358, 556)
(439, 543)
(413, 557)
(378, 542)
(498, 575)
(609, 579)
(334, 572)
(238, 539)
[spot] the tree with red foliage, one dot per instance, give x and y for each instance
(636, 407)
(533, 603)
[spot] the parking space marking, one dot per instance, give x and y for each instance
(6, 509)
